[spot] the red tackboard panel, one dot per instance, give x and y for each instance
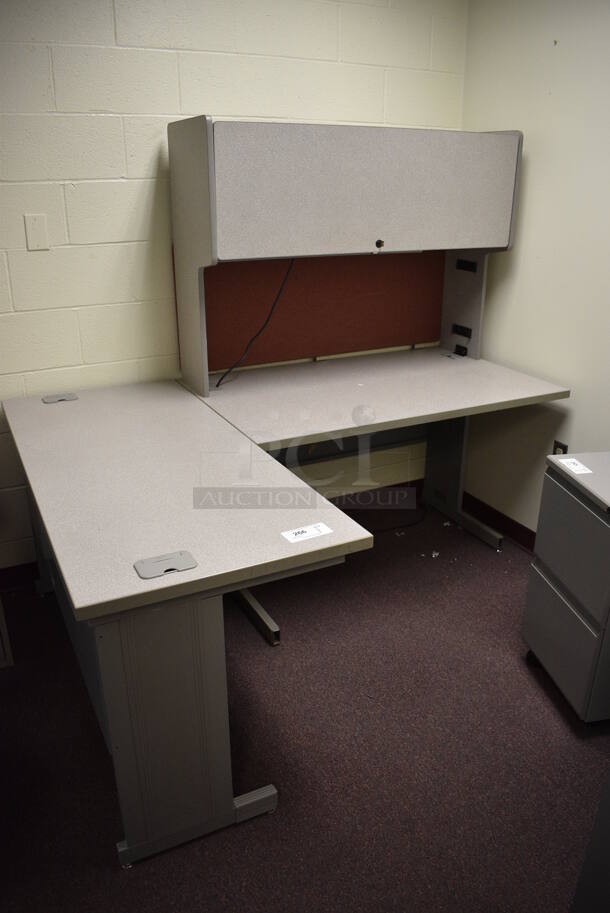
(330, 305)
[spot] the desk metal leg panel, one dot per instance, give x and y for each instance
(44, 560)
(6, 656)
(443, 485)
(165, 690)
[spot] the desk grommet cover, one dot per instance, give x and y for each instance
(147, 568)
(151, 648)
(52, 398)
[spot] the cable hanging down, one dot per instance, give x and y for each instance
(263, 327)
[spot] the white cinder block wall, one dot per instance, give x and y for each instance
(543, 66)
(87, 88)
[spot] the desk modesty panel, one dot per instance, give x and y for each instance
(113, 475)
(304, 403)
(329, 306)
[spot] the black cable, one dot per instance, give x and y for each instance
(257, 334)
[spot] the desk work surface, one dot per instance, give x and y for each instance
(302, 403)
(113, 474)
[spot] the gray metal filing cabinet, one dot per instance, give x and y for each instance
(566, 622)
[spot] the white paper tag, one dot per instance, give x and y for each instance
(307, 532)
(575, 466)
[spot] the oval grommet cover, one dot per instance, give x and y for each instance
(59, 398)
(147, 568)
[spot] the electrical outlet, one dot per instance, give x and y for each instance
(559, 448)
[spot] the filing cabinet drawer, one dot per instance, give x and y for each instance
(573, 542)
(565, 645)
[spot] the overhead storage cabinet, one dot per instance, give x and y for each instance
(303, 190)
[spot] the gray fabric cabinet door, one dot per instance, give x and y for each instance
(299, 190)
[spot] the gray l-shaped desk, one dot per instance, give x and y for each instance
(116, 476)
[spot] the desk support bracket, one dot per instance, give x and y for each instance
(443, 485)
(261, 619)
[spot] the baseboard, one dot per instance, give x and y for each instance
(508, 527)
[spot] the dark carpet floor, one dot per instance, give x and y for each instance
(422, 765)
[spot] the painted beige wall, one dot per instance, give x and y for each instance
(87, 88)
(543, 66)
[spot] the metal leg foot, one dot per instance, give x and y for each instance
(480, 530)
(259, 617)
(261, 801)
